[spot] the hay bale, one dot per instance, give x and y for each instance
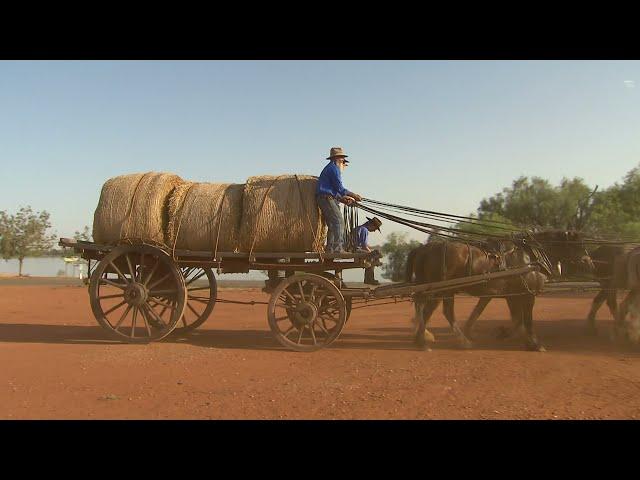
(134, 206)
(280, 214)
(197, 211)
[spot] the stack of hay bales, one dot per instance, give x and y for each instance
(205, 217)
(267, 214)
(134, 206)
(280, 214)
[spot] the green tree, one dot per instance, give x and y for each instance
(25, 234)
(85, 235)
(535, 202)
(396, 248)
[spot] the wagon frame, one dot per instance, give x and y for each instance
(308, 306)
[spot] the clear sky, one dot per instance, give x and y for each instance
(431, 134)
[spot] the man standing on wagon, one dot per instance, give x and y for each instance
(329, 192)
(362, 245)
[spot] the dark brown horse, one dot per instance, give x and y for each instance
(566, 252)
(607, 260)
(452, 259)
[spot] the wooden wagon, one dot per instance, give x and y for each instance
(141, 293)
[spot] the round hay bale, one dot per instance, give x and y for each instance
(134, 206)
(202, 215)
(281, 214)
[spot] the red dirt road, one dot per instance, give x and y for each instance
(58, 364)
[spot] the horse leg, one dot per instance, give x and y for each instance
(595, 305)
(515, 311)
(619, 330)
(428, 306)
(527, 319)
(447, 308)
(477, 311)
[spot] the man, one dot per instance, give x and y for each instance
(329, 192)
(362, 245)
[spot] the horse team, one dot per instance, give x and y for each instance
(556, 252)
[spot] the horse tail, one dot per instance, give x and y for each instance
(409, 267)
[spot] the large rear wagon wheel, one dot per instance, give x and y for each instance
(202, 292)
(306, 312)
(137, 294)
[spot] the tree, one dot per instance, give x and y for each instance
(24, 234)
(85, 235)
(396, 248)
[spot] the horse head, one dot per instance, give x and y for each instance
(566, 250)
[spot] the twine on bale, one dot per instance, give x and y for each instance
(175, 239)
(127, 216)
(224, 195)
(255, 226)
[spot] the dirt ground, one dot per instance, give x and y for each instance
(58, 364)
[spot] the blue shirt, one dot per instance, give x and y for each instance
(330, 182)
(362, 236)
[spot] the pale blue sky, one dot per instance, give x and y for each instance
(431, 134)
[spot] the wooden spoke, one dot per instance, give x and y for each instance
(158, 319)
(141, 267)
(313, 292)
(289, 330)
(301, 292)
(196, 277)
(286, 292)
(114, 308)
(188, 272)
(157, 282)
(117, 295)
(153, 270)
(132, 271)
(279, 319)
(126, 282)
(313, 335)
(122, 318)
(285, 306)
(322, 327)
(158, 302)
(113, 284)
(191, 308)
(146, 321)
(133, 322)
(300, 336)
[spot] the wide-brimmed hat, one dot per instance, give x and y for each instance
(336, 152)
(376, 222)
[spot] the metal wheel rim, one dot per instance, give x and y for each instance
(322, 329)
(127, 299)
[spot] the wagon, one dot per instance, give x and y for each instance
(141, 292)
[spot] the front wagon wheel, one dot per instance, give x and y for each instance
(137, 294)
(306, 312)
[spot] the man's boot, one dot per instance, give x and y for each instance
(369, 276)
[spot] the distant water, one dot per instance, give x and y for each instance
(51, 266)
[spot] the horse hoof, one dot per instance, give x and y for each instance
(466, 345)
(428, 336)
(535, 347)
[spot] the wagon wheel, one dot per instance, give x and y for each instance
(340, 284)
(125, 292)
(336, 281)
(306, 312)
(201, 298)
